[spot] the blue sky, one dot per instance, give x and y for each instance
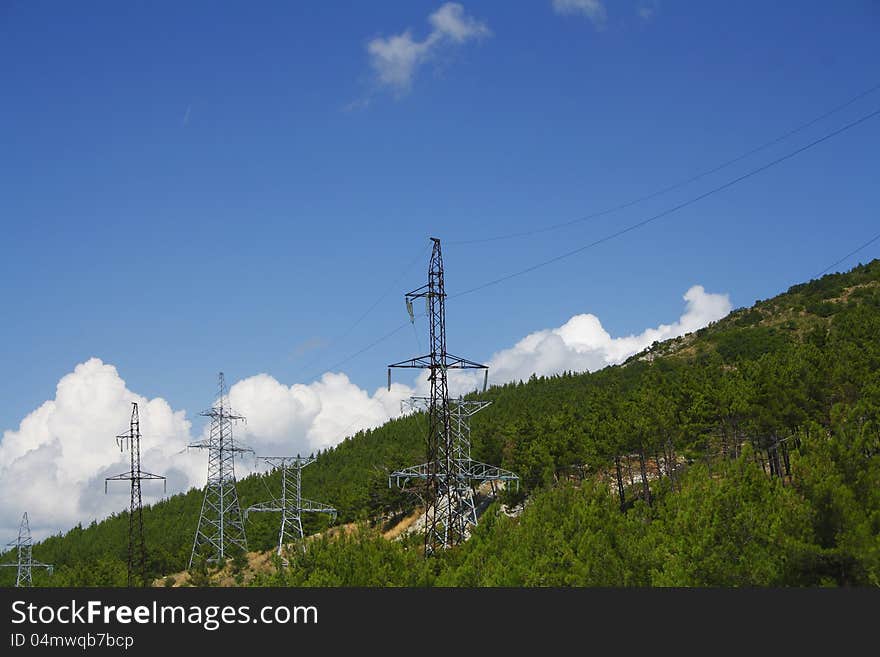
(189, 187)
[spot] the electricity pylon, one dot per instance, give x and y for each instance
(447, 474)
(292, 505)
(468, 471)
(25, 563)
(221, 527)
(137, 550)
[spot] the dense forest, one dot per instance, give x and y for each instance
(747, 453)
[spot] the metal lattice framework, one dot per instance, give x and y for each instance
(468, 473)
(292, 505)
(137, 549)
(221, 527)
(24, 545)
(447, 471)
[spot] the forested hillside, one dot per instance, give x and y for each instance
(747, 453)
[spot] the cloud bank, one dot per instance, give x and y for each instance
(54, 464)
(301, 419)
(582, 344)
(395, 60)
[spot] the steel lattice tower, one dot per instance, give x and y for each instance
(467, 472)
(292, 505)
(24, 545)
(220, 523)
(448, 470)
(137, 550)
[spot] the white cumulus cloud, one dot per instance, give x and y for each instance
(396, 59)
(450, 21)
(583, 344)
(592, 9)
(301, 419)
(54, 464)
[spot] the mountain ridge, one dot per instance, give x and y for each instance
(760, 374)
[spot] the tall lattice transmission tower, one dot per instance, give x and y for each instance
(469, 470)
(24, 545)
(292, 505)
(221, 528)
(137, 549)
(449, 472)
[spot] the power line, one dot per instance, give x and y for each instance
(678, 185)
(628, 229)
(849, 255)
(367, 348)
(673, 209)
(364, 315)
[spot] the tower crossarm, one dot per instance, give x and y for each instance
(34, 564)
(131, 476)
(419, 293)
(268, 507)
(206, 444)
(305, 506)
(288, 461)
(477, 471)
(469, 407)
(310, 506)
(225, 413)
(447, 362)
(452, 363)
(402, 476)
(419, 362)
(473, 471)
(464, 407)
